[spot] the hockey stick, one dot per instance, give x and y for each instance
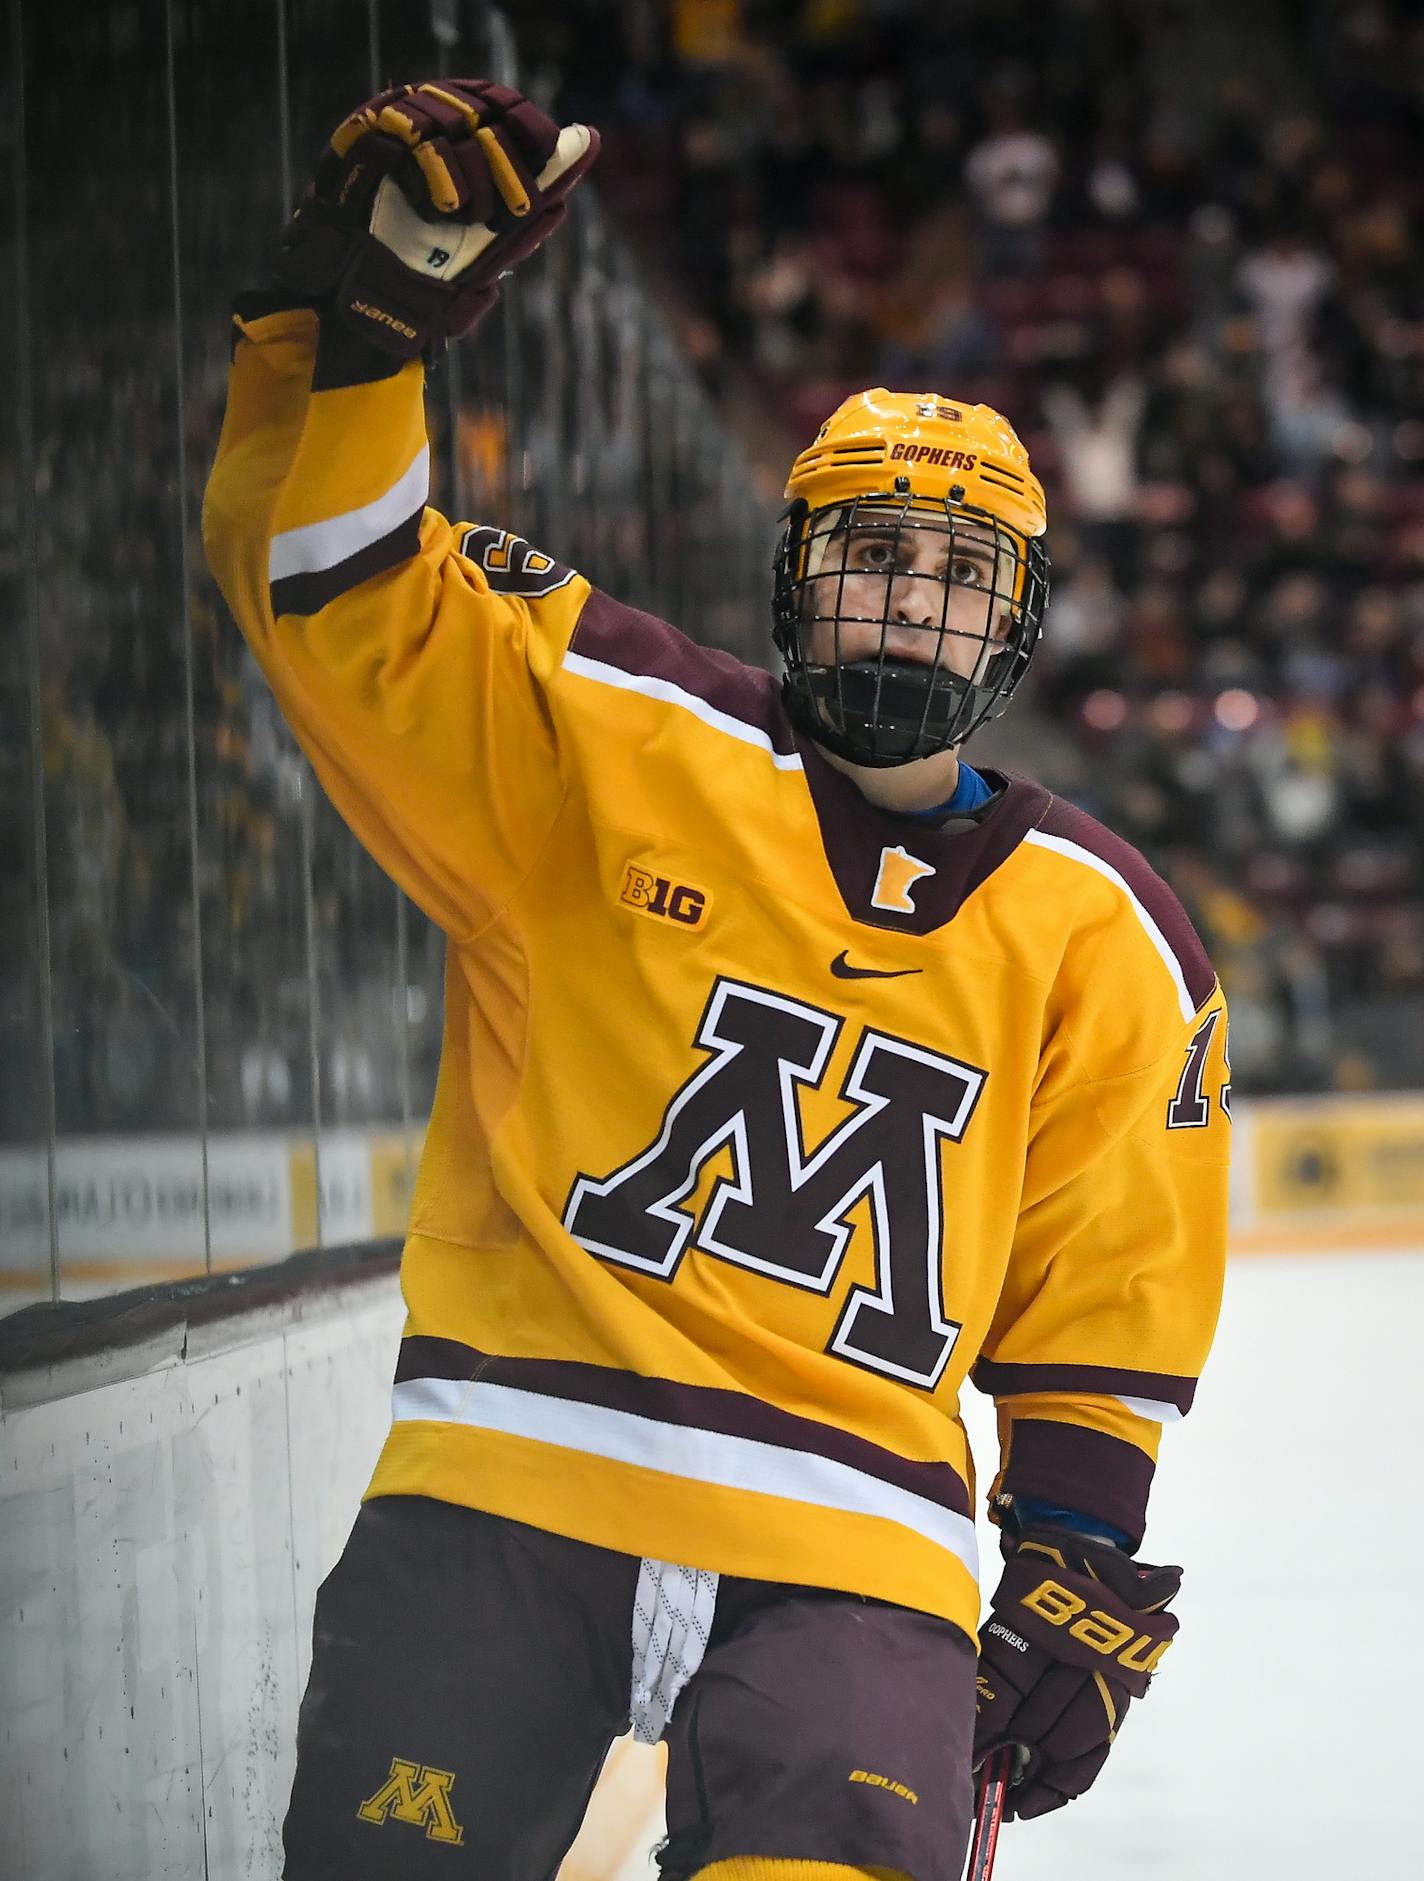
(994, 1782)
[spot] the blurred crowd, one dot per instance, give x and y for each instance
(1178, 244)
(193, 931)
(1181, 247)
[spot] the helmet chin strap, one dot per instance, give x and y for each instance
(907, 708)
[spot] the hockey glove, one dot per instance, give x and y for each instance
(422, 199)
(1075, 1632)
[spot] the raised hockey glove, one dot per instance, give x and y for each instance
(423, 198)
(1075, 1633)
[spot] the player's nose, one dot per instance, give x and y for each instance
(915, 601)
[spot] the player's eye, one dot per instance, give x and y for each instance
(967, 571)
(875, 554)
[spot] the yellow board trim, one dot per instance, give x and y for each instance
(1362, 1238)
(1336, 1237)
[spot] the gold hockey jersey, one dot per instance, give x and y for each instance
(763, 1116)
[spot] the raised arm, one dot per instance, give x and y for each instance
(412, 672)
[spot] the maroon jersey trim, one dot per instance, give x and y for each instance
(1006, 1380)
(1079, 1469)
(1076, 826)
(642, 645)
(854, 833)
(314, 589)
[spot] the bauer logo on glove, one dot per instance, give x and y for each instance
(1076, 1631)
(1099, 1631)
(424, 197)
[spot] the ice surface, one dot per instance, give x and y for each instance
(1279, 1742)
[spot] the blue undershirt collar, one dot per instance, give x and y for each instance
(969, 793)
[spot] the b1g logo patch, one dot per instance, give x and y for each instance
(511, 565)
(659, 895)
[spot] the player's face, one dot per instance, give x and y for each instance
(926, 592)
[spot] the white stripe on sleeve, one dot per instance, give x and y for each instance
(664, 689)
(319, 545)
(1077, 853)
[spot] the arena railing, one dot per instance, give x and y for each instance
(220, 1021)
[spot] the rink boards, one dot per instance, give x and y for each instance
(167, 1516)
(1307, 1173)
(165, 1533)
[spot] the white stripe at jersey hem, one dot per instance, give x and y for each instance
(1077, 853)
(699, 1456)
(664, 689)
(320, 545)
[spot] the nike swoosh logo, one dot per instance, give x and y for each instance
(843, 970)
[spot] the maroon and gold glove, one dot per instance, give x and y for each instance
(422, 199)
(1075, 1632)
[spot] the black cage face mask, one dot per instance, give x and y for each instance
(904, 624)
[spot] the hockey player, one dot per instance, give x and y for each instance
(792, 1070)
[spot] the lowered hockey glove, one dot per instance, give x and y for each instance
(422, 199)
(1075, 1632)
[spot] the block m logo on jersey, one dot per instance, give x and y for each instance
(785, 1213)
(416, 1794)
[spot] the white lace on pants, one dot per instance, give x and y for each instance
(672, 1618)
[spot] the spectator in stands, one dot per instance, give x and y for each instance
(1012, 176)
(1097, 434)
(1207, 307)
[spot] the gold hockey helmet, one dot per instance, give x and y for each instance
(877, 438)
(917, 460)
